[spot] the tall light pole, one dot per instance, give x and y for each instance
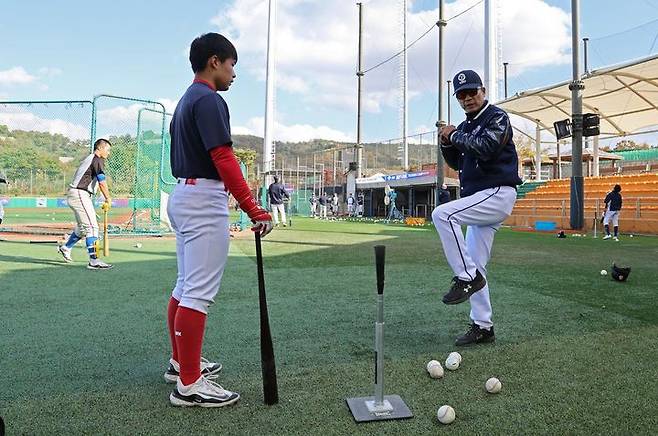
(577, 86)
(268, 143)
(358, 155)
(441, 121)
(490, 58)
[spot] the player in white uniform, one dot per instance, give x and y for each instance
(203, 161)
(89, 176)
(483, 152)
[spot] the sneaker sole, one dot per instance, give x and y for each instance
(485, 341)
(178, 402)
(99, 268)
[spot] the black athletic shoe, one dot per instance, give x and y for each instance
(476, 335)
(462, 290)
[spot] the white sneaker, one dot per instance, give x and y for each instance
(65, 252)
(209, 370)
(616, 239)
(98, 264)
(607, 237)
(202, 393)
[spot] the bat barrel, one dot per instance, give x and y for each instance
(380, 257)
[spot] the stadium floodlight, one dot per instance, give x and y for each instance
(562, 129)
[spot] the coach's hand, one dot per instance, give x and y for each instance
(445, 134)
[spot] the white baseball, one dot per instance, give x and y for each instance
(456, 355)
(435, 369)
(630, 236)
(138, 245)
(604, 272)
(445, 414)
(493, 385)
(453, 361)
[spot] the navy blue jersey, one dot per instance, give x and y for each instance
(483, 152)
(200, 123)
(613, 201)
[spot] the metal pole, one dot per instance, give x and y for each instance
(505, 64)
(538, 153)
(576, 86)
(595, 156)
(586, 68)
(268, 147)
(405, 86)
(442, 23)
(490, 58)
(448, 94)
(359, 148)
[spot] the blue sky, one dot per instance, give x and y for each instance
(76, 49)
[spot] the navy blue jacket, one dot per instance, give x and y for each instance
(614, 198)
(483, 152)
(277, 193)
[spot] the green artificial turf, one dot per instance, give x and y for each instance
(83, 352)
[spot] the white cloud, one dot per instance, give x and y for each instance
(293, 132)
(16, 76)
(21, 119)
(317, 45)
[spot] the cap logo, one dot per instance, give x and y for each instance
(461, 78)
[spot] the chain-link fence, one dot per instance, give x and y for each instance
(43, 142)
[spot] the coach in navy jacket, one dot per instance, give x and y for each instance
(482, 150)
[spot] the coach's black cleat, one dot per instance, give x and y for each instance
(462, 290)
(476, 335)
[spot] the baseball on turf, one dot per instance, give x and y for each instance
(138, 245)
(435, 369)
(453, 361)
(445, 414)
(604, 272)
(493, 385)
(456, 355)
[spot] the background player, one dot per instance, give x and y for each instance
(483, 152)
(203, 162)
(613, 203)
(277, 195)
(89, 176)
(2, 209)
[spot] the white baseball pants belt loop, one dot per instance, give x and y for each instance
(210, 183)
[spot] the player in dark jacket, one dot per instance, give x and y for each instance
(613, 203)
(482, 151)
(277, 195)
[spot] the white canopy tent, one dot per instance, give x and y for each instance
(624, 96)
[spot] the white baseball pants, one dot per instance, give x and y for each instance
(199, 216)
(482, 213)
(279, 209)
(85, 215)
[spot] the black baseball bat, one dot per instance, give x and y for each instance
(268, 366)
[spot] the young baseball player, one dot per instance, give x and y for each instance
(613, 203)
(89, 176)
(482, 150)
(202, 160)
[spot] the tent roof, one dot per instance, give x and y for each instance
(565, 156)
(625, 96)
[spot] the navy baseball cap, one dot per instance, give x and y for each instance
(466, 79)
